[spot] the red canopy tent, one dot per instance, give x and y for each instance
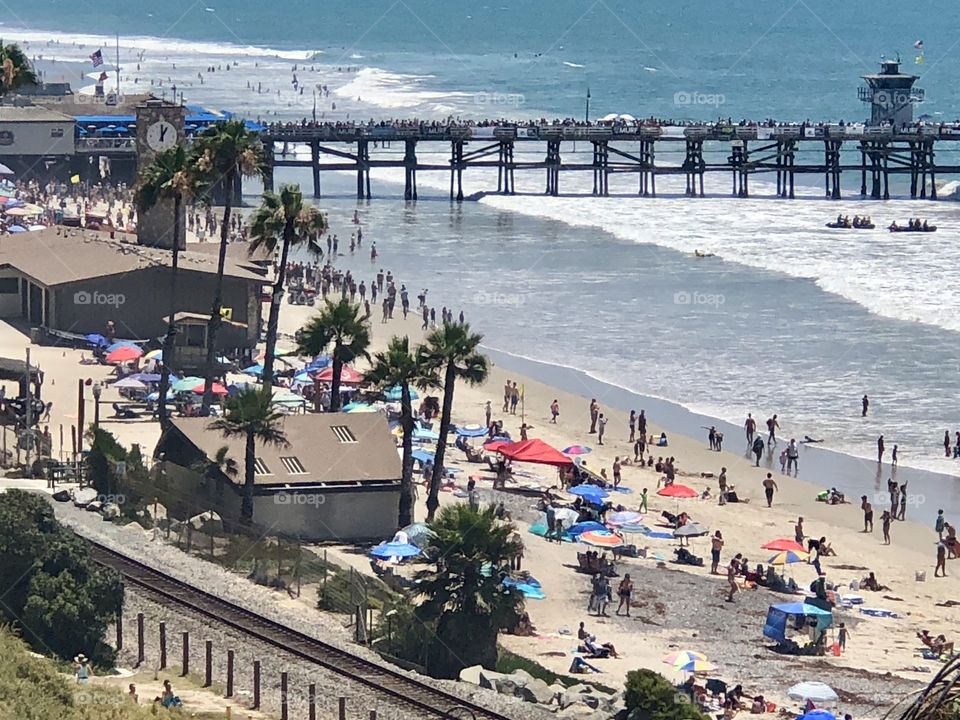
(534, 451)
(348, 376)
(496, 445)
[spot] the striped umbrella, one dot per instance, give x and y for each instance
(697, 666)
(781, 544)
(682, 657)
(577, 450)
(788, 557)
(599, 538)
(624, 517)
(634, 529)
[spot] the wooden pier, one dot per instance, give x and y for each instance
(874, 153)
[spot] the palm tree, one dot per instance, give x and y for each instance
(465, 594)
(169, 176)
(451, 352)
(282, 220)
(216, 468)
(15, 69)
(223, 153)
(397, 366)
(250, 415)
(340, 325)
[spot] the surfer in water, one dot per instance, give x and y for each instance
(808, 439)
(699, 254)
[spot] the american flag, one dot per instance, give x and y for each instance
(97, 58)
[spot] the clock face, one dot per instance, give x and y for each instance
(161, 135)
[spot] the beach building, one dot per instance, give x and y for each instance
(36, 141)
(70, 280)
(338, 479)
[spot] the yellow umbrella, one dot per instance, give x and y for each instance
(682, 657)
(697, 666)
(788, 557)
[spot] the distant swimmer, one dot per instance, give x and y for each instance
(703, 255)
(808, 439)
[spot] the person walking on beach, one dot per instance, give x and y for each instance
(772, 427)
(601, 426)
(616, 472)
(716, 545)
(867, 514)
(594, 413)
(554, 411)
(798, 531)
(783, 461)
(758, 447)
(938, 526)
(733, 570)
(625, 592)
(506, 396)
(722, 483)
(632, 424)
(643, 501)
(880, 449)
(793, 456)
(642, 424)
(866, 405)
(750, 426)
(514, 398)
(769, 485)
(842, 633)
(885, 519)
(487, 413)
(941, 559)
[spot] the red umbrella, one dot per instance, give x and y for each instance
(784, 545)
(678, 491)
(496, 445)
(348, 376)
(124, 353)
(218, 389)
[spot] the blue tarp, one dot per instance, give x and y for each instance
(775, 626)
(422, 455)
(582, 527)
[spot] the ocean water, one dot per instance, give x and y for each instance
(786, 318)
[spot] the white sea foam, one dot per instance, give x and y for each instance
(393, 91)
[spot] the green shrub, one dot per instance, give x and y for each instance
(649, 696)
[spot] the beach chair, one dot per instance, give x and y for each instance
(122, 413)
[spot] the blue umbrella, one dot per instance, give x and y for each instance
(96, 339)
(394, 394)
(16, 229)
(471, 431)
(585, 526)
(395, 550)
(148, 377)
(154, 396)
(422, 455)
(256, 370)
(419, 534)
(318, 364)
(302, 377)
(420, 433)
(589, 492)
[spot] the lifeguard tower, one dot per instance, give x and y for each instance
(891, 95)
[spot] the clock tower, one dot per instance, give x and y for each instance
(159, 127)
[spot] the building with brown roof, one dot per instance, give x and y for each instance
(338, 479)
(74, 280)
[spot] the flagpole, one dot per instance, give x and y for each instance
(118, 67)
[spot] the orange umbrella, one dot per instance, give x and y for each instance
(678, 491)
(124, 353)
(783, 545)
(218, 389)
(348, 376)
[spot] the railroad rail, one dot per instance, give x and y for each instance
(431, 702)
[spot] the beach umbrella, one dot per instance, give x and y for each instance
(147, 377)
(154, 355)
(186, 384)
(610, 117)
(394, 394)
(471, 431)
(783, 544)
(697, 666)
(218, 388)
(32, 228)
(359, 407)
(123, 354)
(422, 455)
(5, 170)
(154, 396)
(531, 590)
(599, 538)
(816, 692)
(130, 383)
(568, 516)
(348, 376)
(577, 450)
(16, 229)
(18, 211)
(121, 343)
(678, 491)
(395, 550)
(634, 529)
(256, 370)
(690, 530)
(682, 657)
(589, 492)
(624, 517)
(96, 339)
(788, 557)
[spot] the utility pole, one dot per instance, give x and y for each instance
(586, 116)
(28, 399)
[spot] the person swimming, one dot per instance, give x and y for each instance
(702, 255)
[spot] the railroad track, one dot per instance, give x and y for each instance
(389, 684)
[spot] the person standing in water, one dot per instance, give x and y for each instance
(880, 449)
(750, 426)
(866, 405)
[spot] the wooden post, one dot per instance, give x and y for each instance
(312, 700)
(186, 653)
(284, 712)
(119, 615)
(208, 665)
(373, 715)
(140, 639)
(229, 673)
(343, 709)
(256, 685)
(163, 645)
